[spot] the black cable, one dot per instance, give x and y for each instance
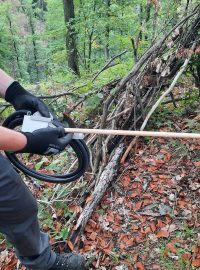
(79, 147)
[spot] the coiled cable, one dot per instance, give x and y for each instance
(78, 145)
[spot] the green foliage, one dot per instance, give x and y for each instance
(32, 37)
(58, 163)
(47, 223)
(5, 38)
(93, 102)
(188, 234)
(160, 116)
(193, 125)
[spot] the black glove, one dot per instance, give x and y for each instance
(46, 141)
(22, 99)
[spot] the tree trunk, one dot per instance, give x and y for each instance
(39, 6)
(107, 33)
(91, 40)
(69, 17)
(155, 21)
(82, 9)
(42, 4)
(33, 68)
(136, 41)
(148, 14)
(15, 47)
(135, 49)
(34, 46)
(90, 49)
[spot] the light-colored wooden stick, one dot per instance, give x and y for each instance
(134, 133)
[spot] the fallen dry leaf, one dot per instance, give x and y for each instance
(140, 266)
(88, 199)
(126, 181)
(186, 256)
(196, 262)
(171, 248)
(170, 228)
(93, 236)
(163, 233)
(138, 205)
(134, 194)
(153, 227)
(197, 164)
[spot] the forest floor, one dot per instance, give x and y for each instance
(149, 218)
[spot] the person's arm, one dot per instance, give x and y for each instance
(11, 140)
(42, 141)
(5, 82)
(21, 99)
(45, 141)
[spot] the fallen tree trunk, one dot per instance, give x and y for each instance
(105, 179)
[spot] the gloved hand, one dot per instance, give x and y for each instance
(23, 100)
(46, 141)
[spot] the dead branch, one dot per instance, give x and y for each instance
(99, 190)
(62, 94)
(119, 114)
(102, 126)
(107, 65)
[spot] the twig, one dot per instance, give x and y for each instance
(61, 94)
(119, 114)
(108, 64)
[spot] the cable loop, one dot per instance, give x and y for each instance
(79, 147)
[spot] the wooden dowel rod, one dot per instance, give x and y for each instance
(134, 133)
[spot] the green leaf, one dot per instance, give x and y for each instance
(39, 164)
(93, 102)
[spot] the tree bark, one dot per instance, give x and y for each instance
(107, 33)
(32, 68)
(69, 16)
(15, 47)
(39, 6)
(31, 23)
